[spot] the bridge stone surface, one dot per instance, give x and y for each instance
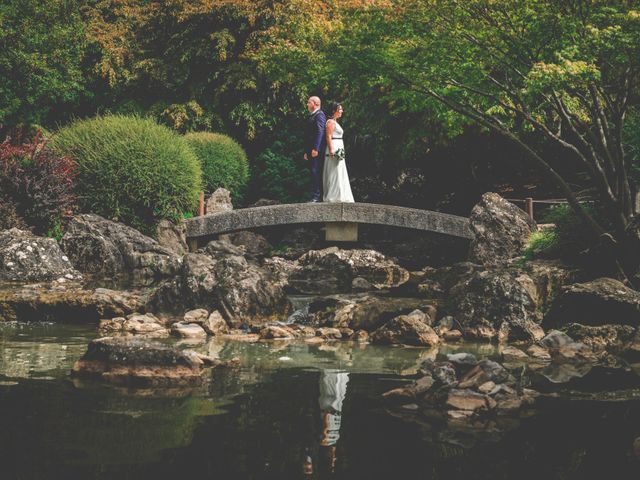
(300, 213)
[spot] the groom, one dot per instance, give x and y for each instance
(314, 145)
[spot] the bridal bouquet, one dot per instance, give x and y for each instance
(339, 154)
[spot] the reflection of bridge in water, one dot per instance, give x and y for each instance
(341, 220)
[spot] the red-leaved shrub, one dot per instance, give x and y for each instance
(36, 186)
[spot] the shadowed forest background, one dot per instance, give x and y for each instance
(444, 100)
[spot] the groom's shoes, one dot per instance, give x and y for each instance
(314, 201)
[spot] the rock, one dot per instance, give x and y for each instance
(329, 333)
(563, 347)
(247, 294)
(146, 325)
(54, 303)
(539, 353)
(188, 330)
(615, 338)
(241, 291)
(445, 324)
(599, 302)
(137, 362)
(25, 257)
(103, 248)
(494, 305)
(548, 277)
(253, 243)
(215, 324)
(277, 332)
(487, 387)
(219, 202)
(466, 400)
(443, 373)
(406, 330)
(280, 268)
(172, 236)
(485, 371)
(346, 332)
(218, 249)
(332, 270)
(198, 316)
(361, 336)
(452, 336)
(501, 230)
(411, 392)
(513, 354)
(555, 339)
(366, 312)
(360, 284)
(463, 361)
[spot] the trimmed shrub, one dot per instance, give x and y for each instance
(36, 186)
(224, 162)
(132, 169)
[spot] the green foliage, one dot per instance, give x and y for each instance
(541, 244)
(132, 169)
(571, 236)
(280, 176)
(56, 231)
(41, 48)
(224, 162)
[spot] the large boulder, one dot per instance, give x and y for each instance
(172, 236)
(109, 249)
(253, 243)
(56, 303)
(602, 301)
(25, 257)
(495, 305)
(219, 202)
(406, 330)
(501, 230)
(549, 277)
(138, 362)
(222, 279)
(333, 270)
(364, 312)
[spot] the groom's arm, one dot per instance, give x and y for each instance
(321, 121)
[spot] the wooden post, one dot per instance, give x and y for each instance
(529, 206)
(201, 206)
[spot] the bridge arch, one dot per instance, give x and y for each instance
(335, 215)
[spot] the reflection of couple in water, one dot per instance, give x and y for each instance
(333, 389)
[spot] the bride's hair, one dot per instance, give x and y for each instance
(333, 107)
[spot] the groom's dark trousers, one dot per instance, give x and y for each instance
(315, 140)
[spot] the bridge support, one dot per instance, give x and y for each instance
(341, 232)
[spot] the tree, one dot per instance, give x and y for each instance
(566, 71)
(41, 48)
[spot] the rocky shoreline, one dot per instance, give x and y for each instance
(236, 288)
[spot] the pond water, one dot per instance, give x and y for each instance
(291, 410)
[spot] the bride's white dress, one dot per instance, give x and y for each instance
(335, 178)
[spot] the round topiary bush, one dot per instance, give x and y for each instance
(224, 162)
(131, 169)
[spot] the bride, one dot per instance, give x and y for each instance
(335, 179)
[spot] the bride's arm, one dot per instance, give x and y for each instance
(329, 133)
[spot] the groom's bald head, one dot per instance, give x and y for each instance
(313, 103)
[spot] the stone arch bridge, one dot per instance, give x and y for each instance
(341, 220)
